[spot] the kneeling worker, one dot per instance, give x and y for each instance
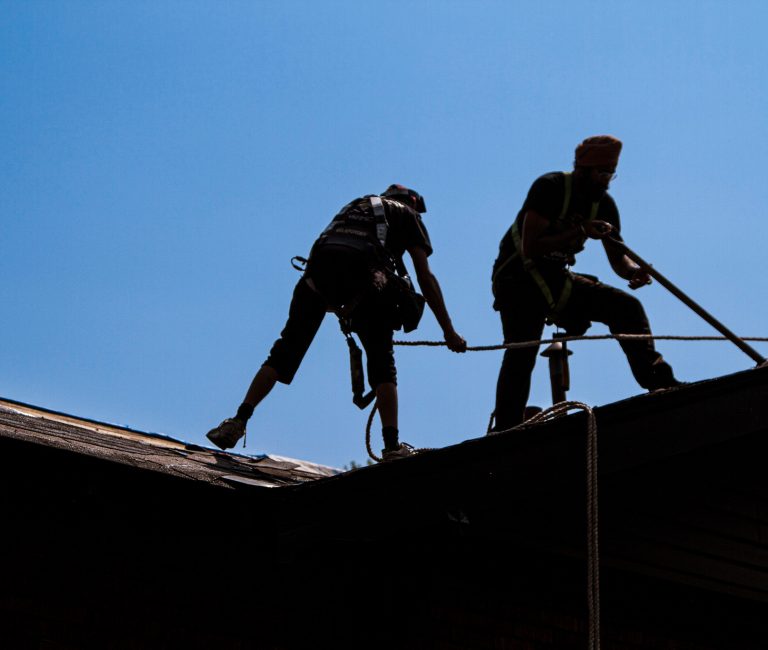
(532, 283)
(353, 271)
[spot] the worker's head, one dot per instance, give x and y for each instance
(596, 160)
(410, 197)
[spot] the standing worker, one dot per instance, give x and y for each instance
(356, 270)
(532, 283)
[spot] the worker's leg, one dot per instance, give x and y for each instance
(304, 317)
(376, 337)
(262, 384)
(519, 323)
(623, 314)
(386, 399)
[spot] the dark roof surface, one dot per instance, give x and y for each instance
(683, 489)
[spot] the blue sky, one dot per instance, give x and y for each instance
(162, 161)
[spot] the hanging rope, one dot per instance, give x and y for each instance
(593, 550)
(591, 337)
(368, 433)
(559, 410)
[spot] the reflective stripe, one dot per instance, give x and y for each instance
(381, 220)
(593, 212)
(565, 294)
(567, 199)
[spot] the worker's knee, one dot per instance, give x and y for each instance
(519, 360)
(633, 308)
(381, 372)
(624, 306)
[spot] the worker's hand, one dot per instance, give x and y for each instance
(597, 229)
(639, 278)
(455, 342)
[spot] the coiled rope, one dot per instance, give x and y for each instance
(590, 337)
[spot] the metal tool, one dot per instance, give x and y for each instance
(744, 347)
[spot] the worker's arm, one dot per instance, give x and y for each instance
(430, 287)
(623, 266)
(536, 243)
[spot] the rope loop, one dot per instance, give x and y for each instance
(368, 425)
(368, 433)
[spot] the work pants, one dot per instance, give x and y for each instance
(370, 321)
(523, 313)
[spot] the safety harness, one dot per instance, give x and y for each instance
(555, 306)
(360, 398)
(340, 232)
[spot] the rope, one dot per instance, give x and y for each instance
(558, 410)
(593, 551)
(591, 337)
(368, 433)
(368, 425)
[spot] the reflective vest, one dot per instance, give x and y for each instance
(555, 306)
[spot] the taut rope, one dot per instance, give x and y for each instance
(591, 337)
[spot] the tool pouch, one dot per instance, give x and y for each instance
(410, 304)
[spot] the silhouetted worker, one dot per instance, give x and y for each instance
(532, 283)
(353, 271)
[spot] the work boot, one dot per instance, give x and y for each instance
(663, 378)
(401, 452)
(226, 435)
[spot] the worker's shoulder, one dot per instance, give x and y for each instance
(397, 206)
(399, 212)
(552, 179)
(545, 189)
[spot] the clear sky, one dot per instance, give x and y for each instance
(161, 162)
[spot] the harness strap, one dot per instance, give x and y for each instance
(528, 264)
(382, 227)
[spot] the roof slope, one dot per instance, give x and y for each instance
(118, 533)
(153, 452)
(683, 491)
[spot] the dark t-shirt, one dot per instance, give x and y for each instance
(406, 229)
(546, 197)
(348, 250)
